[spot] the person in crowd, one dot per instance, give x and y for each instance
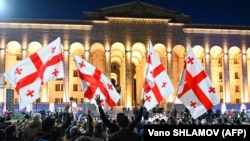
(83, 127)
(89, 125)
(113, 127)
(58, 131)
(7, 114)
(210, 116)
(84, 138)
(47, 125)
(99, 132)
(66, 117)
(124, 133)
(135, 111)
(34, 128)
(3, 125)
(171, 119)
(11, 133)
(74, 133)
(67, 135)
(243, 115)
(145, 113)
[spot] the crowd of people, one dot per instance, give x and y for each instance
(66, 126)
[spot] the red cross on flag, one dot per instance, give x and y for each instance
(94, 82)
(28, 75)
(157, 85)
(196, 91)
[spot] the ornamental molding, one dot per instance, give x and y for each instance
(125, 20)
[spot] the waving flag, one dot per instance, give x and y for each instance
(95, 82)
(157, 84)
(196, 91)
(28, 75)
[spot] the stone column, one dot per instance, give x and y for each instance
(226, 91)
(66, 61)
(108, 64)
(207, 64)
(129, 79)
(169, 60)
(86, 55)
(244, 76)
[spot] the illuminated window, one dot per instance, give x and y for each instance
(221, 88)
(221, 100)
(236, 61)
(59, 87)
(236, 75)
(75, 73)
(237, 89)
(220, 76)
(58, 100)
(82, 100)
(19, 57)
(237, 101)
(219, 62)
(75, 87)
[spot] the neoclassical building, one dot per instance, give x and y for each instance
(115, 39)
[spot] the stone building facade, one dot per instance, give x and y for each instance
(115, 39)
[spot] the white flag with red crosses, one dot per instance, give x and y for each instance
(94, 82)
(157, 85)
(28, 75)
(196, 91)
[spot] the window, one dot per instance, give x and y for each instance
(221, 100)
(237, 89)
(220, 76)
(59, 87)
(236, 61)
(75, 73)
(75, 87)
(236, 75)
(221, 88)
(82, 100)
(237, 101)
(58, 100)
(219, 62)
(19, 57)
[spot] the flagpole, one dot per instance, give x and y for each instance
(64, 86)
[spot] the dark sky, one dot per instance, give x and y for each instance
(228, 12)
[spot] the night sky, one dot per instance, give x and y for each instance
(225, 12)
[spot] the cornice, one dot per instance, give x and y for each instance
(126, 20)
(45, 26)
(216, 31)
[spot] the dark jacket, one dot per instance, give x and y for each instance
(30, 132)
(125, 135)
(113, 127)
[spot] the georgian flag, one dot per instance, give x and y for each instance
(157, 85)
(28, 75)
(196, 91)
(94, 82)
